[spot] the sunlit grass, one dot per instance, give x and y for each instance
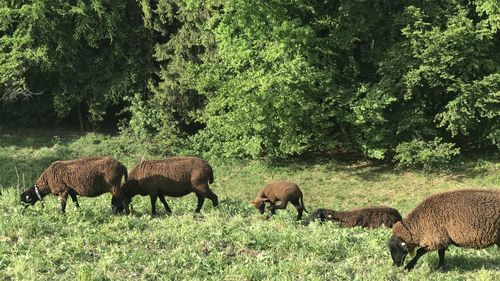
(231, 242)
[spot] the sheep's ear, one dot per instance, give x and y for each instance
(257, 200)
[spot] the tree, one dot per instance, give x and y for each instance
(19, 55)
(82, 54)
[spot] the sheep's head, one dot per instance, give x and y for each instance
(129, 189)
(118, 204)
(259, 204)
(400, 249)
(30, 196)
(320, 214)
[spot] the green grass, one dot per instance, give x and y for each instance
(231, 242)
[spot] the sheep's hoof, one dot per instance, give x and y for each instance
(198, 216)
(408, 268)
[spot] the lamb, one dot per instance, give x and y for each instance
(90, 177)
(372, 217)
(280, 191)
(466, 218)
(173, 176)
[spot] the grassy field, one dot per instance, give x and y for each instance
(231, 242)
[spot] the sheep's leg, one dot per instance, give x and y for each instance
(201, 200)
(298, 207)
(127, 209)
(441, 259)
(72, 193)
(127, 206)
(282, 205)
(164, 202)
(153, 204)
(63, 197)
(202, 189)
(272, 210)
(420, 253)
(210, 195)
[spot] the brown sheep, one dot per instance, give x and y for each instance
(89, 177)
(173, 176)
(280, 191)
(466, 218)
(372, 217)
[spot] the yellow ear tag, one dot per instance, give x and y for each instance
(412, 253)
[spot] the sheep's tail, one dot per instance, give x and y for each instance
(210, 175)
(125, 173)
(302, 203)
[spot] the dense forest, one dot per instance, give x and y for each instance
(416, 82)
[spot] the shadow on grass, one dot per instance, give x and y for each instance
(35, 138)
(33, 151)
(20, 173)
(465, 167)
(464, 264)
(352, 164)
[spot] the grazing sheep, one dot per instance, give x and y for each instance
(173, 176)
(280, 191)
(466, 218)
(90, 177)
(365, 217)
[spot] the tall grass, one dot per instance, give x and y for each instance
(230, 242)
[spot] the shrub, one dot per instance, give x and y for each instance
(425, 154)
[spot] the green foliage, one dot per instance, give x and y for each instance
(440, 74)
(150, 125)
(18, 50)
(265, 94)
(167, 114)
(38, 111)
(259, 78)
(429, 155)
(490, 10)
(80, 54)
(476, 111)
(99, 56)
(452, 63)
(25, 154)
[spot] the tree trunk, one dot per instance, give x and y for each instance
(80, 117)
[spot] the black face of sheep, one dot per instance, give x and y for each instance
(118, 205)
(319, 214)
(398, 249)
(259, 205)
(30, 197)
